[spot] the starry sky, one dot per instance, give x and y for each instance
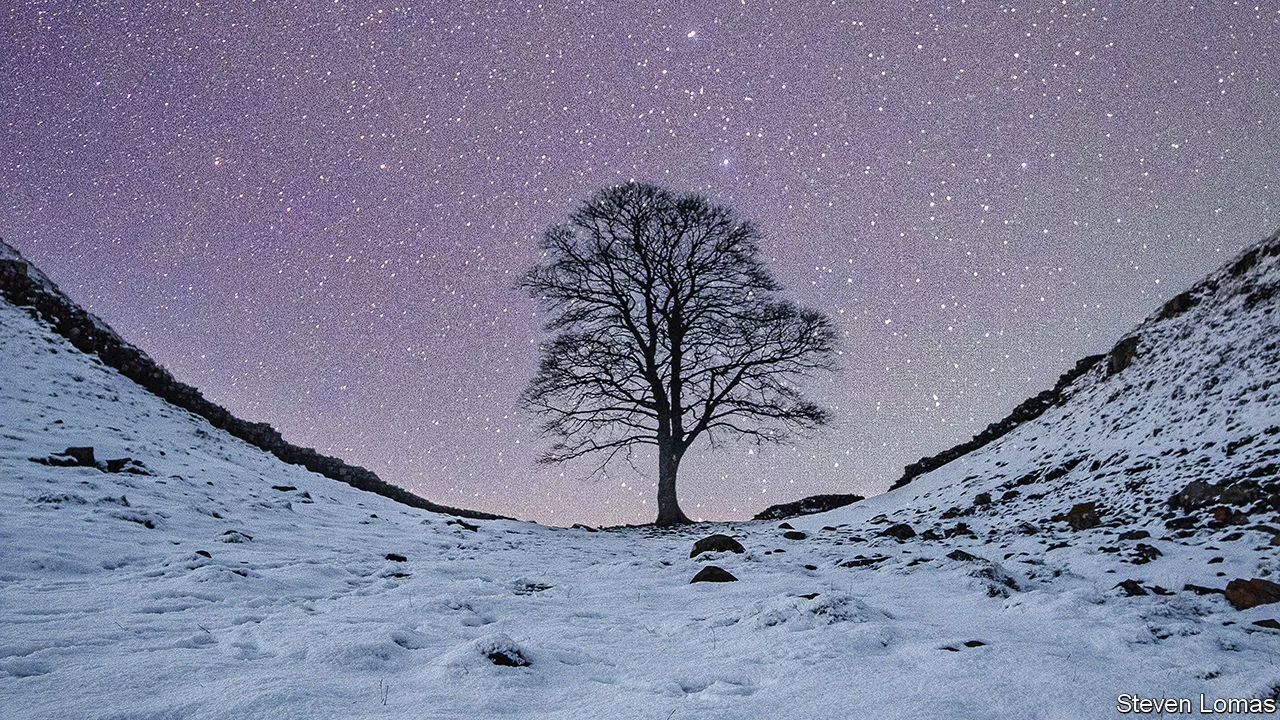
(318, 212)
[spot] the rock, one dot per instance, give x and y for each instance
(1135, 535)
(204, 553)
(82, 455)
(1144, 553)
(501, 650)
(981, 499)
(973, 643)
(785, 526)
(1244, 594)
(716, 543)
(807, 506)
(1083, 516)
(1122, 354)
(1269, 623)
(116, 465)
(711, 573)
(1202, 590)
(463, 524)
(1241, 493)
(580, 526)
(1131, 588)
(961, 556)
(284, 488)
(1224, 515)
(1009, 495)
(794, 535)
(1194, 496)
(861, 561)
(959, 529)
(901, 531)
(396, 557)
(1182, 523)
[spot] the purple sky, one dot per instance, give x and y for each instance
(317, 212)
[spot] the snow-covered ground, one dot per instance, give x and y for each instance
(223, 583)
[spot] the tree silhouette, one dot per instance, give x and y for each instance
(666, 328)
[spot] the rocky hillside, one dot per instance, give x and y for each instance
(23, 285)
(1173, 436)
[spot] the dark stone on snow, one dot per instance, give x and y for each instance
(1144, 553)
(507, 657)
(1135, 535)
(1223, 515)
(1194, 496)
(1121, 356)
(807, 506)
(1241, 493)
(794, 535)
(959, 529)
(1177, 305)
(1183, 523)
(463, 524)
(861, 561)
(711, 573)
(580, 526)
(1131, 588)
(808, 596)
(396, 557)
(1244, 594)
(204, 553)
(284, 488)
(716, 543)
(901, 531)
(82, 455)
(1269, 623)
(1083, 516)
(961, 556)
(973, 643)
(981, 499)
(785, 526)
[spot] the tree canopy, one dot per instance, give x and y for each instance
(666, 327)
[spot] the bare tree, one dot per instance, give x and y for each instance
(667, 327)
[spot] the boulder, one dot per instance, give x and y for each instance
(396, 557)
(901, 531)
(1224, 515)
(1244, 594)
(794, 535)
(982, 499)
(807, 506)
(1131, 588)
(711, 573)
(81, 455)
(1241, 493)
(1194, 496)
(1083, 516)
(716, 543)
(1144, 553)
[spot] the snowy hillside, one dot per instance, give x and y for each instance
(205, 578)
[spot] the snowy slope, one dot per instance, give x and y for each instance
(224, 583)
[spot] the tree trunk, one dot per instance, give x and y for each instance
(669, 512)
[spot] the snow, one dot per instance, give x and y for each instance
(226, 584)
